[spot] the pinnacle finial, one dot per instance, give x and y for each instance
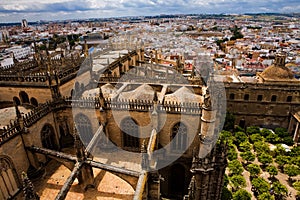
(18, 113)
(28, 189)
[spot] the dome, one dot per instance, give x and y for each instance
(277, 73)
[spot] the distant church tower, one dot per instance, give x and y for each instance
(24, 23)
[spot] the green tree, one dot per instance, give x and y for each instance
(281, 132)
(244, 146)
(247, 156)
(232, 154)
(296, 185)
(282, 160)
(265, 196)
(255, 138)
(236, 33)
(265, 132)
(273, 138)
(260, 185)
(242, 194)
(279, 151)
(272, 170)
(261, 147)
(295, 151)
(238, 129)
(280, 191)
(229, 122)
(253, 169)
(235, 167)
(291, 170)
(288, 140)
(226, 194)
(237, 182)
(240, 137)
(295, 160)
(226, 180)
(226, 136)
(252, 130)
(265, 159)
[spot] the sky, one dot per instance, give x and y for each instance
(35, 10)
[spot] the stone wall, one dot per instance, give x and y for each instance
(14, 149)
(262, 104)
(41, 94)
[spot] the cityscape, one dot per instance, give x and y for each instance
(95, 104)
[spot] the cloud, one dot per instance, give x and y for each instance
(61, 9)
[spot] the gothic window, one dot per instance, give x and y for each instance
(130, 135)
(9, 184)
(246, 97)
(179, 137)
(17, 101)
(84, 128)
(289, 99)
(273, 98)
(24, 97)
(231, 96)
(34, 102)
(259, 97)
(66, 139)
(48, 137)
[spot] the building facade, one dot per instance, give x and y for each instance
(170, 114)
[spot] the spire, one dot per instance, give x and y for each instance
(62, 57)
(145, 158)
(49, 66)
(18, 113)
(86, 50)
(155, 98)
(14, 59)
(101, 98)
(78, 144)
(28, 189)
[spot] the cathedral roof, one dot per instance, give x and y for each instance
(108, 91)
(183, 95)
(7, 114)
(143, 92)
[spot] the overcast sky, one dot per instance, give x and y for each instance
(34, 10)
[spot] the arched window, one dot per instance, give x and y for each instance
(66, 139)
(84, 128)
(17, 101)
(24, 97)
(34, 102)
(273, 98)
(259, 97)
(179, 137)
(130, 135)
(289, 98)
(9, 184)
(48, 137)
(246, 97)
(231, 96)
